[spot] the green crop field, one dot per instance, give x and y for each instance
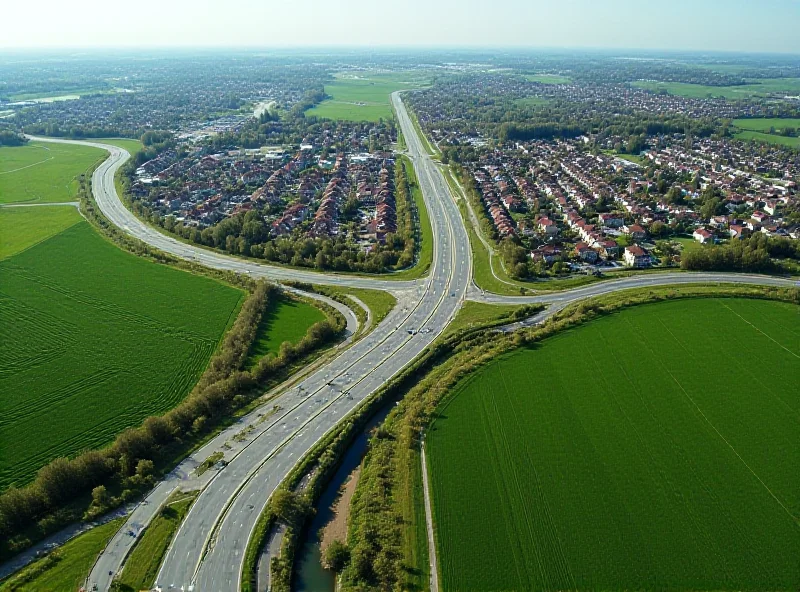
(67, 568)
(21, 228)
(764, 124)
(44, 172)
(548, 78)
(95, 340)
(654, 448)
(759, 87)
(768, 138)
(363, 98)
(284, 320)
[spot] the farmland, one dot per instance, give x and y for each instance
(284, 320)
(699, 91)
(769, 138)
(654, 448)
(548, 78)
(39, 173)
(97, 340)
(765, 124)
(357, 98)
(21, 228)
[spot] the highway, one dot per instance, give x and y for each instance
(209, 547)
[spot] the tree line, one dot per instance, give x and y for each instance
(754, 254)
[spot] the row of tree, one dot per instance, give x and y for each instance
(754, 254)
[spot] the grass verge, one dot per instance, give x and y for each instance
(143, 564)
(66, 568)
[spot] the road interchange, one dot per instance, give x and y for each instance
(209, 548)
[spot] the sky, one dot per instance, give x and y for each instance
(704, 25)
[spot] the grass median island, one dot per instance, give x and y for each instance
(422, 223)
(649, 448)
(285, 319)
(65, 568)
(97, 340)
(141, 568)
(42, 172)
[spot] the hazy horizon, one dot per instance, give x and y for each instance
(722, 26)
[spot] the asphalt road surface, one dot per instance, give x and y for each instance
(208, 549)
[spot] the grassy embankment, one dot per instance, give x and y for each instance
(423, 225)
(65, 568)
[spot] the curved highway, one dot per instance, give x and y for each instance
(208, 549)
(108, 201)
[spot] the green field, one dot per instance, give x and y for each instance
(363, 97)
(654, 448)
(142, 565)
(65, 569)
(548, 78)
(21, 228)
(284, 320)
(765, 124)
(768, 138)
(95, 340)
(44, 172)
(701, 91)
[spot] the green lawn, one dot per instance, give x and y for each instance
(44, 172)
(284, 320)
(364, 97)
(21, 228)
(654, 448)
(701, 91)
(143, 564)
(380, 303)
(687, 243)
(768, 138)
(548, 78)
(95, 340)
(65, 569)
(477, 313)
